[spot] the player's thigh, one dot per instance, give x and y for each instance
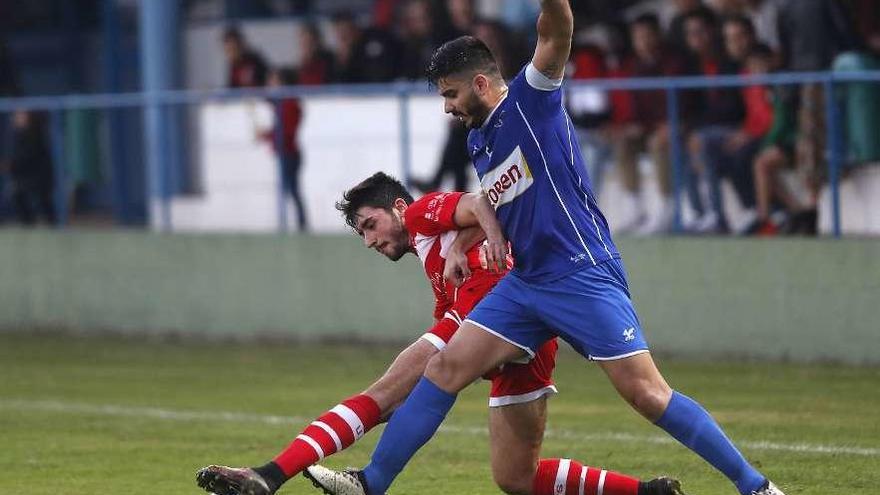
(515, 434)
(400, 378)
(470, 353)
(591, 310)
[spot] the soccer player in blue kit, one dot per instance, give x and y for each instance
(568, 280)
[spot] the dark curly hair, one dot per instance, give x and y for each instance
(465, 54)
(380, 190)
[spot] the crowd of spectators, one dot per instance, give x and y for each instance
(749, 135)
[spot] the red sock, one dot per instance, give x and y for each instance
(333, 431)
(567, 477)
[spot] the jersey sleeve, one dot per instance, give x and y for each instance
(539, 95)
(433, 213)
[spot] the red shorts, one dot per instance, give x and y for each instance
(514, 382)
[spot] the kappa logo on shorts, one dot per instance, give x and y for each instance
(508, 180)
(629, 334)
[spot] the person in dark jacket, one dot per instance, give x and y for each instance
(31, 169)
(247, 68)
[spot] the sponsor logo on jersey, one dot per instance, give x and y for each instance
(508, 180)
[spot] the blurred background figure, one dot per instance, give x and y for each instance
(648, 131)
(285, 141)
(418, 38)
(246, 68)
(714, 117)
(364, 55)
(31, 171)
(316, 61)
(812, 33)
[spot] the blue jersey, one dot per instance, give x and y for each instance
(530, 167)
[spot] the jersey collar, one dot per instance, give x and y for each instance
(489, 118)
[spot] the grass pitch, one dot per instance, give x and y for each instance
(111, 416)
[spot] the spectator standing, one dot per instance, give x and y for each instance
(316, 62)
(31, 169)
(285, 140)
(8, 87)
(246, 67)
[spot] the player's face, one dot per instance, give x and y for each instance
(460, 99)
(383, 231)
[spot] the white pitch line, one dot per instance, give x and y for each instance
(234, 417)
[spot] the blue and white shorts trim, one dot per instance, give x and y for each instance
(590, 309)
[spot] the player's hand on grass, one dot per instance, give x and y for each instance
(456, 269)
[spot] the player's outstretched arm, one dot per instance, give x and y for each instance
(474, 209)
(555, 28)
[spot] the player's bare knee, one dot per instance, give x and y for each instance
(512, 482)
(650, 399)
(441, 371)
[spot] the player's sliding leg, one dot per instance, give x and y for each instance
(516, 432)
(640, 383)
(333, 431)
(474, 352)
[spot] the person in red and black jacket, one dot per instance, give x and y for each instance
(247, 69)
(285, 140)
(316, 61)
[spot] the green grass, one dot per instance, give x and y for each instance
(88, 415)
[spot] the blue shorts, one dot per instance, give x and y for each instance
(590, 309)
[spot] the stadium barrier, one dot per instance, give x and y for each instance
(788, 299)
(158, 105)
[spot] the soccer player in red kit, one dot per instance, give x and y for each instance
(385, 215)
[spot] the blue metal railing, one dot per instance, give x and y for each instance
(404, 90)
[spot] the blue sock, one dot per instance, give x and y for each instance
(411, 426)
(691, 425)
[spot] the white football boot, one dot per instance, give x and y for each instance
(770, 489)
(347, 482)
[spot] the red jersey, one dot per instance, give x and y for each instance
(432, 231)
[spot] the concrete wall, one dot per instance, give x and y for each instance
(788, 299)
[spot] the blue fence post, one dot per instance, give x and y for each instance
(834, 155)
(676, 154)
(405, 142)
(56, 133)
(157, 33)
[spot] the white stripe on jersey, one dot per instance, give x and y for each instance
(601, 487)
(586, 198)
(324, 426)
(350, 417)
(553, 184)
(583, 478)
(561, 476)
(313, 444)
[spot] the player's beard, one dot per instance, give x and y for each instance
(399, 243)
(477, 111)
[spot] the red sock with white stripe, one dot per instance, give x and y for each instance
(568, 477)
(333, 431)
